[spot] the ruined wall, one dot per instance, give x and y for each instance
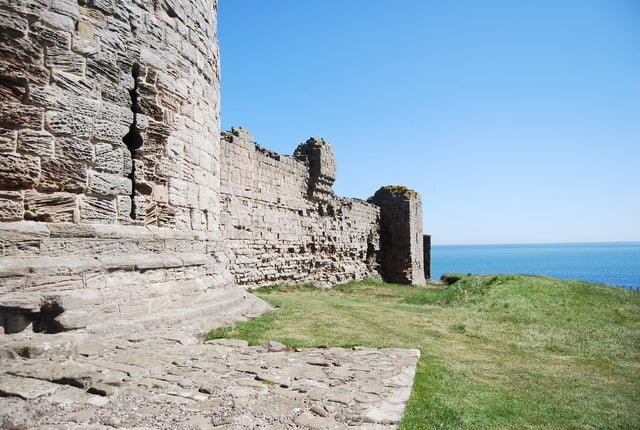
(402, 259)
(119, 204)
(282, 221)
(109, 158)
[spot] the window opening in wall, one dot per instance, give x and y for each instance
(133, 139)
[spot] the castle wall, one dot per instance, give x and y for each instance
(109, 160)
(119, 204)
(283, 223)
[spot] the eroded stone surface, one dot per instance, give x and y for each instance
(158, 381)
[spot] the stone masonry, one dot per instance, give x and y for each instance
(123, 208)
(109, 163)
(282, 221)
(118, 199)
(401, 235)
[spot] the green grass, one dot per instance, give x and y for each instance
(497, 351)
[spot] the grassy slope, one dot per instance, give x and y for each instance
(497, 352)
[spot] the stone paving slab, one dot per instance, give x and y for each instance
(170, 382)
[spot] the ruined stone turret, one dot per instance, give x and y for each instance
(322, 167)
(401, 239)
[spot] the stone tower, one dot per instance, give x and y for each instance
(401, 238)
(109, 161)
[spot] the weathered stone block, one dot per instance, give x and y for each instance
(27, 303)
(108, 184)
(11, 206)
(120, 114)
(73, 320)
(8, 140)
(63, 175)
(72, 83)
(85, 46)
(160, 193)
(64, 60)
(54, 207)
(66, 7)
(97, 211)
(44, 283)
(115, 93)
(13, 87)
(56, 20)
(36, 142)
(68, 124)
(16, 116)
(18, 171)
(46, 36)
(13, 26)
(178, 192)
(109, 131)
(22, 58)
(110, 158)
(74, 148)
(22, 248)
(48, 97)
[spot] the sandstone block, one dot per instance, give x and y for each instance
(22, 59)
(310, 421)
(72, 83)
(63, 175)
(43, 283)
(178, 192)
(11, 206)
(74, 148)
(39, 143)
(56, 20)
(54, 207)
(108, 131)
(26, 388)
(12, 25)
(97, 210)
(19, 171)
(7, 140)
(46, 36)
(85, 46)
(68, 124)
(108, 184)
(50, 347)
(17, 116)
(85, 30)
(64, 60)
(27, 303)
(73, 320)
(66, 7)
(110, 158)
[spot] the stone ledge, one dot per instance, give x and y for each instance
(20, 266)
(30, 230)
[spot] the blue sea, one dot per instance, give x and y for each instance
(615, 263)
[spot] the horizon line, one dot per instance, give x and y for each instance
(538, 243)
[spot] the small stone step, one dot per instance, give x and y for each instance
(217, 306)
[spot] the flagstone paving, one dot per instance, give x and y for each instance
(171, 380)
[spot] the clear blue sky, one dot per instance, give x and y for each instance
(517, 121)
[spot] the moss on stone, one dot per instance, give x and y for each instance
(402, 190)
